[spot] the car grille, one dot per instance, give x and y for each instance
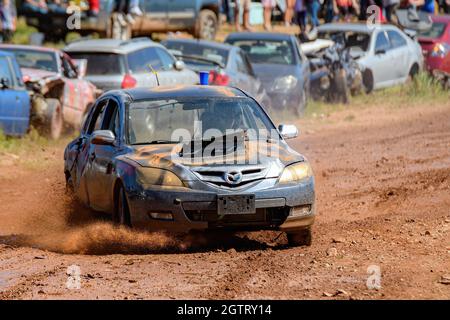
(270, 217)
(217, 176)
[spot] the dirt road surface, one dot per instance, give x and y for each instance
(383, 195)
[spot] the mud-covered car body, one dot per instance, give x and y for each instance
(161, 185)
(52, 74)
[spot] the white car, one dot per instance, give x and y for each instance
(386, 55)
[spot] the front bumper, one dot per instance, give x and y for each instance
(287, 208)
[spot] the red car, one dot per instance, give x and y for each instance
(436, 45)
(61, 95)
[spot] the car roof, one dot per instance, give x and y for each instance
(181, 91)
(268, 36)
(28, 47)
(213, 44)
(110, 45)
(360, 27)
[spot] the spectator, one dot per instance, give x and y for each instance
(289, 13)
(346, 8)
(268, 8)
(226, 10)
(245, 5)
(313, 7)
(390, 6)
(8, 17)
(300, 13)
(94, 8)
(56, 6)
(134, 8)
(35, 6)
(428, 6)
(329, 6)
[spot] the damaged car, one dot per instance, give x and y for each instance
(190, 158)
(59, 94)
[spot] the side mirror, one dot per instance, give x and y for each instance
(103, 138)
(81, 65)
(288, 131)
(4, 83)
(380, 51)
(179, 65)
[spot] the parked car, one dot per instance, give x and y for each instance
(14, 99)
(280, 64)
(128, 162)
(116, 64)
(198, 17)
(227, 65)
(60, 94)
(436, 45)
(386, 55)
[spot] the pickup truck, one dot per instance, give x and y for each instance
(197, 17)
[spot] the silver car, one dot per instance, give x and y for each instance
(387, 56)
(140, 62)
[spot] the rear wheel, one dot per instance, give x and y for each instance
(301, 237)
(413, 71)
(54, 123)
(206, 25)
(121, 214)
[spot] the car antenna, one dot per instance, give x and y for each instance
(155, 73)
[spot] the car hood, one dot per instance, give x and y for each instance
(36, 74)
(269, 73)
(271, 161)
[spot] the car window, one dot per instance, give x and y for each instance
(209, 52)
(436, 30)
(382, 42)
(100, 63)
(111, 118)
(168, 61)
(5, 70)
(96, 120)
(68, 69)
(396, 39)
(35, 59)
(240, 64)
(140, 61)
(265, 51)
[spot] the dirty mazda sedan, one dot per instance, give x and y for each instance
(191, 158)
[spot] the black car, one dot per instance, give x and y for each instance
(279, 62)
(191, 158)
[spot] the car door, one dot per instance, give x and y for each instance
(400, 54)
(155, 16)
(99, 176)
(14, 99)
(381, 61)
(181, 13)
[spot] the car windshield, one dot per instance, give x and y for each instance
(160, 121)
(35, 59)
(436, 31)
(99, 64)
(216, 55)
(352, 39)
(265, 51)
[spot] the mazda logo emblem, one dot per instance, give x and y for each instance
(234, 177)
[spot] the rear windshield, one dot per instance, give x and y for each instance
(263, 51)
(436, 31)
(207, 52)
(35, 59)
(99, 64)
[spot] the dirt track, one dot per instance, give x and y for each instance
(383, 192)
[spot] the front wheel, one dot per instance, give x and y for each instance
(206, 25)
(122, 211)
(54, 120)
(301, 237)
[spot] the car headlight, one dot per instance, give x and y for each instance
(285, 83)
(440, 50)
(296, 172)
(157, 177)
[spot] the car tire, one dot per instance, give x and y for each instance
(414, 71)
(368, 81)
(55, 120)
(121, 214)
(299, 238)
(206, 25)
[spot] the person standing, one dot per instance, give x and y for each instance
(389, 7)
(8, 16)
(289, 13)
(268, 6)
(313, 7)
(300, 14)
(245, 5)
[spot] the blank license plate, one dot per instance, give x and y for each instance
(236, 204)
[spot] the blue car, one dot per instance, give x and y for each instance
(14, 98)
